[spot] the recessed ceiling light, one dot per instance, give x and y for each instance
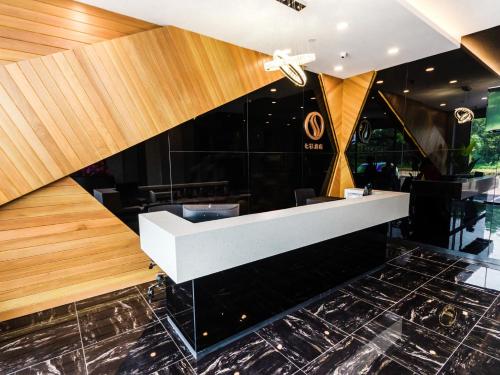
(273, 90)
(301, 107)
(393, 51)
(453, 81)
(406, 91)
(365, 117)
(342, 26)
(484, 98)
(429, 69)
(442, 104)
(267, 122)
(269, 114)
(379, 82)
(373, 97)
(338, 68)
(273, 102)
(313, 98)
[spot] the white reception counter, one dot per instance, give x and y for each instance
(186, 251)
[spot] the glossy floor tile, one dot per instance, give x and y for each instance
(352, 356)
(470, 299)
(376, 292)
(436, 315)
(344, 311)
(402, 277)
(467, 361)
(108, 315)
(38, 337)
(68, 363)
(250, 355)
(485, 337)
(494, 311)
(404, 318)
(433, 256)
(474, 275)
(139, 351)
(181, 367)
(420, 349)
(301, 336)
(419, 265)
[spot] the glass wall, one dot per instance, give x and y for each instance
(380, 141)
(252, 151)
(410, 120)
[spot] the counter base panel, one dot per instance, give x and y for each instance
(212, 311)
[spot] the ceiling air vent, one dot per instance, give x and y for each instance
(295, 5)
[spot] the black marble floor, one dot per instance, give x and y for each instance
(423, 313)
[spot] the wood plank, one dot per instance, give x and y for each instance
(59, 22)
(345, 100)
(36, 27)
(104, 239)
(91, 10)
(67, 294)
(22, 46)
(58, 245)
(37, 38)
(43, 8)
(13, 55)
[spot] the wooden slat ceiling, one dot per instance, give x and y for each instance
(30, 28)
(59, 245)
(62, 112)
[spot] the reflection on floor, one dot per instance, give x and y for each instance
(424, 313)
(492, 230)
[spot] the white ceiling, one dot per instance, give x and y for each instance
(374, 26)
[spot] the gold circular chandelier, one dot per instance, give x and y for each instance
(290, 66)
(463, 115)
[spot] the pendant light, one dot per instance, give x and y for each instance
(291, 66)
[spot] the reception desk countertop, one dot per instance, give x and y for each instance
(186, 251)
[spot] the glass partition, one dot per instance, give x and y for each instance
(252, 151)
(415, 121)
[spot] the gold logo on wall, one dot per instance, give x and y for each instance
(314, 125)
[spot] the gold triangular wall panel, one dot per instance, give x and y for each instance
(345, 100)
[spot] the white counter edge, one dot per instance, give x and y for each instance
(187, 251)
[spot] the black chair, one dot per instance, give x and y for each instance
(301, 195)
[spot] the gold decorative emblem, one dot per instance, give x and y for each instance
(314, 125)
(447, 316)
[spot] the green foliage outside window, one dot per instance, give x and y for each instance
(486, 147)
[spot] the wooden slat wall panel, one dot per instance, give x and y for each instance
(426, 127)
(32, 28)
(59, 245)
(61, 112)
(345, 100)
(485, 47)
